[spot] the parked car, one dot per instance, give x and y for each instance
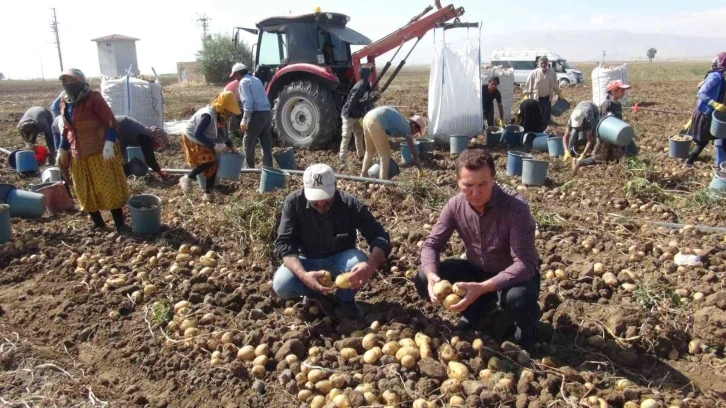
(523, 61)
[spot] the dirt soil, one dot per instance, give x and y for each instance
(93, 318)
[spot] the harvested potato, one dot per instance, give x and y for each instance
(348, 353)
(442, 289)
(408, 351)
(326, 279)
(505, 385)
(457, 371)
(370, 397)
(291, 358)
(246, 353)
(451, 386)
(315, 375)
(334, 393)
(458, 291)
(373, 355)
(187, 323)
(408, 361)
(318, 402)
(451, 300)
(457, 401)
(304, 395)
(258, 371)
(407, 342)
(477, 344)
(447, 352)
(390, 397)
(260, 360)
(426, 351)
(341, 401)
(422, 403)
(323, 386)
(485, 374)
(343, 281)
(390, 348)
(421, 339)
(369, 341)
(262, 350)
(624, 384)
(338, 380)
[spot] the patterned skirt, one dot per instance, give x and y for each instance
(99, 184)
(196, 154)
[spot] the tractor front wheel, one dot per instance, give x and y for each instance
(305, 115)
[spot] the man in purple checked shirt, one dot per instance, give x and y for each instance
(501, 262)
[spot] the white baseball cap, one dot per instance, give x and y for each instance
(577, 117)
(237, 67)
(319, 182)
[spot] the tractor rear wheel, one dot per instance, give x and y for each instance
(305, 115)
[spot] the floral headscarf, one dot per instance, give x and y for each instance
(159, 138)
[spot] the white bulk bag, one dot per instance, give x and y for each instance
(506, 87)
(134, 97)
(455, 90)
(601, 76)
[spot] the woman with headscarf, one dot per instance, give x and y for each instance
(148, 138)
(710, 98)
(206, 135)
(529, 116)
(90, 132)
(37, 120)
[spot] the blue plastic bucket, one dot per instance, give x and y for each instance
(229, 165)
(718, 124)
(513, 135)
(375, 170)
(534, 172)
(285, 158)
(6, 228)
(458, 143)
(11, 159)
(540, 142)
(26, 204)
(493, 135)
(514, 163)
(135, 151)
(145, 212)
(51, 174)
(406, 155)
(425, 147)
(717, 183)
(560, 107)
(679, 149)
(555, 146)
(272, 179)
(25, 162)
(614, 131)
(4, 190)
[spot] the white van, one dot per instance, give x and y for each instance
(523, 61)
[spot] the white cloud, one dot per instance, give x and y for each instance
(601, 19)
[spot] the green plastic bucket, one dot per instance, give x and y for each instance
(406, 155)
(145, 212)
(458, 143)
(614, 131)
(494, 135)
(285, 158)
(534, 172)
(540, 142)
(6, 228)
(25, 162)
(679, 149)
(717, 183)
(272, 179)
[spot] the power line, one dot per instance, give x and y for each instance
(54, 27)
(203, 21)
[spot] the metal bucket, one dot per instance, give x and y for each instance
(513, 135)
(458, 143)
(272, 179)
(679, 149)
(614, 131)
(375, 170)
(229, 165)
(493, 135)
(56, 197)
(135, 151)
(25, 162)
(145, 212)
(555, 147)
(285, 158)
(26, 204)
(718, 125)
(425, 147)
(51, 174)
(6, 227)
(514, 163)
(534, 172)
(560, 107)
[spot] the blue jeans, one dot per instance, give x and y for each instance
(288, 286)
(718, 144)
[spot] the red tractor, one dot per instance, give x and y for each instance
(308, 69)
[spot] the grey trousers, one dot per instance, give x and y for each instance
(259, 128)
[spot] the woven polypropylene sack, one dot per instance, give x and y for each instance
(455, 91)
(506, 87)
(134, 97)
(601, 76)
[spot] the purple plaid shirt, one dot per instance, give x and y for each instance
(499, 241)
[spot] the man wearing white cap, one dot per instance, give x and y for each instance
(233, 87)
(581, 130)
(318, 232)
(256, 121)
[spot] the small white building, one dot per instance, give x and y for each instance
(116, 53)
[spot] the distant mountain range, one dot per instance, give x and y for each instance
(589, 45)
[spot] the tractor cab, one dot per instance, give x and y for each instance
(320, 39)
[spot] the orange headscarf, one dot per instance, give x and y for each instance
(225, 104)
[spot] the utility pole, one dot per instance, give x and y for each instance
(603, 57)
(54, 27)
(203, 21)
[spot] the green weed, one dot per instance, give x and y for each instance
(643, 189)
(161, 313)
(427, 192)
(707, 198)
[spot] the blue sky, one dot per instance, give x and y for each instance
(169, 33)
